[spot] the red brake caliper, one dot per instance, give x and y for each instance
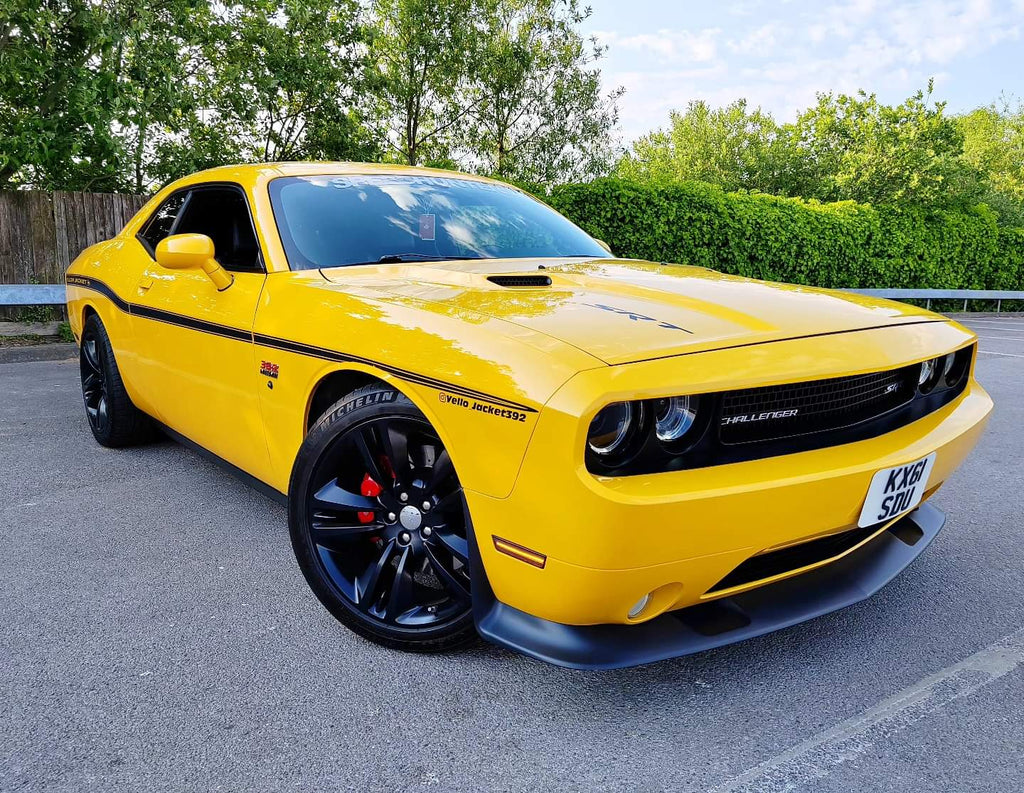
(370, 489)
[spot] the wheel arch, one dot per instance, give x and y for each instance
(333, 386)
(486, 468)
(78, 318)
(107, 312)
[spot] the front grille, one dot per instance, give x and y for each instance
(763, 414)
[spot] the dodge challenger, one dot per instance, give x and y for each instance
(482, 422)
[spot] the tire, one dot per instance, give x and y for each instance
(115, 422)
(378, 524)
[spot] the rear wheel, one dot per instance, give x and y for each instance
(378, 526)
(113, 419)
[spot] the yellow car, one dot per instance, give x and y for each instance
(482, 422)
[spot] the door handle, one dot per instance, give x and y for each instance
(145, 283)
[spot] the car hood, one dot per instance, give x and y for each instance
(622, 311)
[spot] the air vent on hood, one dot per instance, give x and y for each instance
(519, 280)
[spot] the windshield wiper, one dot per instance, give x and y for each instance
(398, 258)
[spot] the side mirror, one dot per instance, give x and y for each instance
(193, 252)
(604, 245)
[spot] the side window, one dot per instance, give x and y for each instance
(161, 222)
(222, 214)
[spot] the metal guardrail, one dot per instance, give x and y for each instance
(928, 295)
(53, 294)
(32, 295)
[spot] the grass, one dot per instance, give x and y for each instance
(38, 314)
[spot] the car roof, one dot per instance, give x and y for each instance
(257, 172)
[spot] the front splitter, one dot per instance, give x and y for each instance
(717, 623)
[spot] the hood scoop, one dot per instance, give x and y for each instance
(519, 280)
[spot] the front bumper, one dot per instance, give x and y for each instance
(768, 608)
(608, 542)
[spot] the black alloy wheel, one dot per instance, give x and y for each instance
(113, 419)
(94, 383)
(378, 523)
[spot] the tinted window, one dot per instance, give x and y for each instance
(222, 214)
(330, 221)
(159, 225)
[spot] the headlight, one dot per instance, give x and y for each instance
(613, 427)
(674, 417)
(947, 364)
(955, 366)
(945, 370)
(925, 376)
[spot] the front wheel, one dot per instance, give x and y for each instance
(378, 526)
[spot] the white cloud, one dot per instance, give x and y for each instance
(745, 8)
(761, 41)
(779, 55)
(670, 45)
(654, 94)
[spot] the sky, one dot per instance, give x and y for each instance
(779, 53)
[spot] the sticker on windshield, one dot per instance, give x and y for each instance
(427, 224)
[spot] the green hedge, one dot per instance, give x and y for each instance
(804, 242)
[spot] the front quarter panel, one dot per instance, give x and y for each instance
(481, 382)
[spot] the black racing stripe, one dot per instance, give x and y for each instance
(412, 377)
(170, 318)
(226, 331)
(98, 286)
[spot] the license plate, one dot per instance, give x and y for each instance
(895, 491)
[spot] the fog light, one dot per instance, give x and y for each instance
(641, 604)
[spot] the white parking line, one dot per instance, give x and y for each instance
(1002, 338)
(818, 756)
(993, 324)
(1005, 354)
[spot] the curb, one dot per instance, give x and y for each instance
(38, 352)
(29, 328)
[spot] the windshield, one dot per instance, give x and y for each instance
(333, 221)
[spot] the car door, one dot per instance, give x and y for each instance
(197, 358)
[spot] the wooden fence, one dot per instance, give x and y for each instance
(41, 233)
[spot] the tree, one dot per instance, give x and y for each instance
(843, 148)
(56, 96)
(158, 45)
(732, 147)
(537, 108)
(994, 146)
(853, 147)
(420, 54)
(276, 80)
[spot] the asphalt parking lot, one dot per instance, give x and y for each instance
(156, 634)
